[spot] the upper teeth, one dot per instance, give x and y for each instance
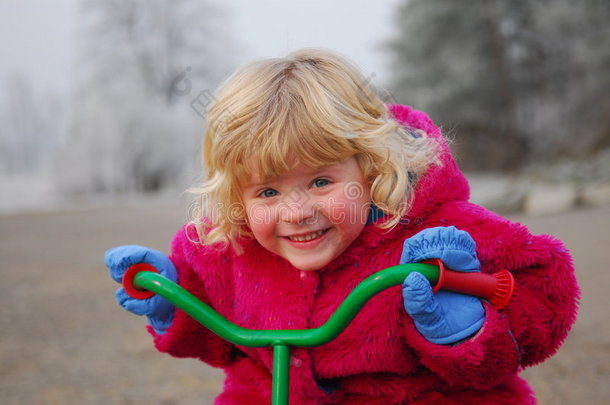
(305, 238)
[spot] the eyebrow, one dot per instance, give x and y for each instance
(266, 182)
(253, 186)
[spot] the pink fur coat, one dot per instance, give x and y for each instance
(381, 358)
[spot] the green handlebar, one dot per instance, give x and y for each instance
(497, 288)
(215, 322)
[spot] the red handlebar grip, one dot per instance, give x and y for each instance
(497, 288)
(131, 289)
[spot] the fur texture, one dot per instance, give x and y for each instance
(381, 358)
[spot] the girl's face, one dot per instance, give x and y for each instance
(309, 216)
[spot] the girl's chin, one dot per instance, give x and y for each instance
(314, 264)
(308, 269)
(306, 266)
(313, 260)
(310, 265)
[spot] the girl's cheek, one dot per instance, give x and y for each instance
(338, 211)
(260, 217)
(349, 209)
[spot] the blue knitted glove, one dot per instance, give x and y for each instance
(445, 317)
(159, 311)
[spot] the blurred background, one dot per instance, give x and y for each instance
(103, 99)
(102, 108)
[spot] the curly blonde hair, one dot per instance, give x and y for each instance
(314, 107)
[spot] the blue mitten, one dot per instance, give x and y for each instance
(445, 317)
(159, 311)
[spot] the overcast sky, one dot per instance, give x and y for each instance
(37, 37)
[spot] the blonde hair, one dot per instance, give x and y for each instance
(314, 107)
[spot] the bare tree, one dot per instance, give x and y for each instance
(133, 128)
(30, 126)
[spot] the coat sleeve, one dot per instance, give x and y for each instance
(186, 337)
(534, 324)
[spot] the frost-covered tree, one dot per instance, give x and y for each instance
(151, 43)
(577, 34)
(502, 75)
(141, 64)
(29, 126)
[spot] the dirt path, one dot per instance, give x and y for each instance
(63, 339)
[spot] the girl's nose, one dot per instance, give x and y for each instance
(297, 211)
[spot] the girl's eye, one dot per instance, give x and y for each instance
(321, 182)
(268, 193)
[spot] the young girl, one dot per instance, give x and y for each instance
(313, 184)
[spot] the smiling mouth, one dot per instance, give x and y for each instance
(307, 237)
